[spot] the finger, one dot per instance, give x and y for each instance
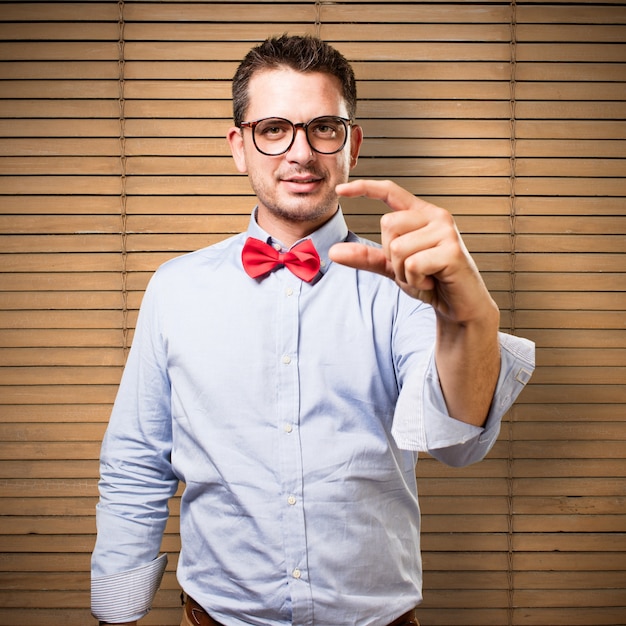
(407, 233)
(394, 196)
(401, 234)
(419, 269)
(361, 257)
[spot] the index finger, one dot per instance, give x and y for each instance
(394, 196)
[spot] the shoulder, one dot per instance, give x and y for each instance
(203, 260)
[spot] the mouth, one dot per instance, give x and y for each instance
(302, 183)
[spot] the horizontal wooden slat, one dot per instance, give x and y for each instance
(18, 185)
(57, 147)
(571, 52)
(49, 70)
(220, 32)
(603, 449)
(62, 204)
(60, 375)
(535, 91)
(600, 33)
(549, 281)
(591, 301)
(59, 11)
(199, 51)
(558, 206)
(559, 110)
(548, 70)
(63, 108)
(45, 89)
(347, 12)
(176, 88)
(571, 14)
(364, 70)
(63, 337)
(59, 356)
(64, 31)
(571, 542)
(570, 505)
(558, 262)
(65, 51)
(570, 523)
(81, 394)
(567, 467)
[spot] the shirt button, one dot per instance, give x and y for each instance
(286, 359)
(289, 291)
(288, 428)
(291, 500)
(296, 573)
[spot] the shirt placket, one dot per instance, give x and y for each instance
(290, 449)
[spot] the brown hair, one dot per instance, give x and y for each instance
(300, 53)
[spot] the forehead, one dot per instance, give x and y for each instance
(298, 96)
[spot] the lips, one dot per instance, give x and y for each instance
(302, 183)
(302, 179)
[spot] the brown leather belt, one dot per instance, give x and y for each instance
(197, 615)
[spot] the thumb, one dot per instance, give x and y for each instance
(361, 257)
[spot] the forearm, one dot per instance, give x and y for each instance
(468, 363)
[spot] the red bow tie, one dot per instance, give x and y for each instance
(260, 258)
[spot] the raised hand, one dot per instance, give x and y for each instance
(422, 250)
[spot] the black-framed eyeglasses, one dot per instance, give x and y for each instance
(274, 136)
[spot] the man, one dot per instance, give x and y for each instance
(290, 394)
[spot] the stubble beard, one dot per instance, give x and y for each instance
(296, 208)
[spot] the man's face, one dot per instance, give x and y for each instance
(297, 187)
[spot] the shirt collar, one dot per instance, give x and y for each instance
(333, 231)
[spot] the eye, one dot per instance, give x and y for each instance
(272, 129)
(326, 128)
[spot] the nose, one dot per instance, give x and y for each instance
(300, 151)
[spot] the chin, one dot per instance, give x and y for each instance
(305, 209)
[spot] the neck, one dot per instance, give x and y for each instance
(288, 231)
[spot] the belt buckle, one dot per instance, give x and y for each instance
(195, 611)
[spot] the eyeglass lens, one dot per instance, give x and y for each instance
(274, 136)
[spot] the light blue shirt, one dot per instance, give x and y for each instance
(293, 412)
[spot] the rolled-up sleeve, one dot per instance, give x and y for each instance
(421, 420)
(127, 596)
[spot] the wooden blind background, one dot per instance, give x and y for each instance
(113, 159)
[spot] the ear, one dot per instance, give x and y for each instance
(235, 140)
(356, 139)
